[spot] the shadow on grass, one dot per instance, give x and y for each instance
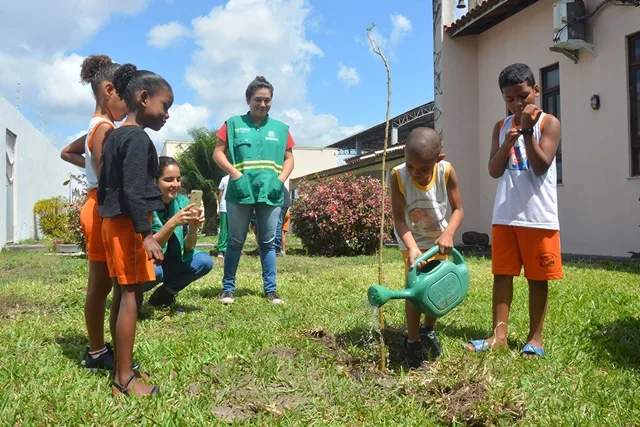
(72, 345)
(148, 312)
(394, 336)
(463, 333)
(365, 339)
(214, 293)
(618, 341)
(297, 251)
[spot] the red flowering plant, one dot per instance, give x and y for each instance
(78, 197)
(341, 215)
(74, 226)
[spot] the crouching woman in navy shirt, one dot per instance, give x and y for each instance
(176, 229)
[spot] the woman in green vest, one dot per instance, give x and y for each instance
(176, 229)
(256, 151)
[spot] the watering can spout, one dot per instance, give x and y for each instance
(378, 295)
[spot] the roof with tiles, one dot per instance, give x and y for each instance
(485, 15)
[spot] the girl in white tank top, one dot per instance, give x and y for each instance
(99, 71)
(91, 169)
(522, 198)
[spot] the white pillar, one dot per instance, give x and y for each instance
(394, 135)
(444, 13)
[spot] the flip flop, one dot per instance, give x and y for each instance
(478, 345)
(532, 349)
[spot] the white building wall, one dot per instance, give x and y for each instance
(39, 173)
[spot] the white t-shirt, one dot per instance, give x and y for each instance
(224, 183)
(425, 207)
(522, 198)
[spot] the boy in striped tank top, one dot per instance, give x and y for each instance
(525, 228)
(422, 189)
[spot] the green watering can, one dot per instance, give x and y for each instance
(435, 289)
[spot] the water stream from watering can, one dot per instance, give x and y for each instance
(378, 337)
(371, 339)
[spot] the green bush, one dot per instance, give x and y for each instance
(53, 215)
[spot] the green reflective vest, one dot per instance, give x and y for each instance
(258, 153)
(158, 222)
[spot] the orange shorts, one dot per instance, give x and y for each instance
(405, 255)
(126, 256)
(285, 223)
(92, 227)
(537, 249)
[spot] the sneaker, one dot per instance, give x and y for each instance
(430, 342)
(273, 298)
(227, 298)
(161, 297)
(415, 354)
(220, 254)
(104, 362)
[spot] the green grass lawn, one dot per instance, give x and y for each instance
(313, 361)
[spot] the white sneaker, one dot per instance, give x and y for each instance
(227, 298)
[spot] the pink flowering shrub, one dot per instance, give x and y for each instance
(341, 215)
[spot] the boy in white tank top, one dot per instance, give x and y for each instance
(422, 189)
(525, 229)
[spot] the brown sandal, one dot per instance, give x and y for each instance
(125, 389)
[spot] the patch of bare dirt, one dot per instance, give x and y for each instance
(14, 307)
(463, 397)
(251, 398)
(357, 368)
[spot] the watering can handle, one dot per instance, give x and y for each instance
(457, 258)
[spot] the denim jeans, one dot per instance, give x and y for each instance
(177, 275)
(238, 218)
(283, 214)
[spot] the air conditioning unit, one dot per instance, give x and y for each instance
(570, 28)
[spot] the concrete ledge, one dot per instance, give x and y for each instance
(26, 248)
(206, 245)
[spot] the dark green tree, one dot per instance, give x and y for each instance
(200, 172)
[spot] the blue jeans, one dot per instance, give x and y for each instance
(177, 275)
(283, 213)
(238, 217)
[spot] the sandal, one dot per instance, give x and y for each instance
(478, 345)
(141, 375)
(533, 350)
(125, 389)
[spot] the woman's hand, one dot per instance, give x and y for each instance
(184, 216)
(198, 218)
